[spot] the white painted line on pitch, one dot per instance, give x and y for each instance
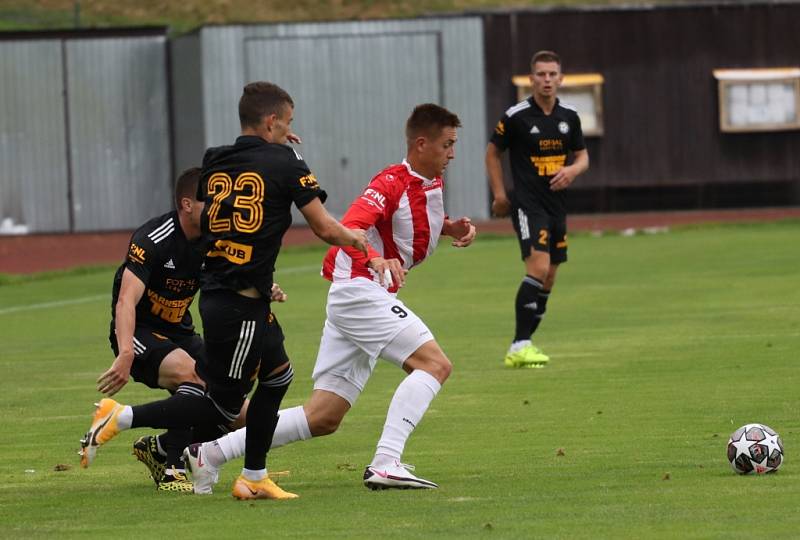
(58, 303)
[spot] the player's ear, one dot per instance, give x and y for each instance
(268, 121)
(186, 204)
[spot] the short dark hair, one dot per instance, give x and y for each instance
(260, 99)
(545, 56)
(186, 185)
(429, 119)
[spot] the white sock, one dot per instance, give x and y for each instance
(125, 418)
(213, 454)
(517, 345)
(254, 476)
(410, 401)
(292, 426)
(232, 444)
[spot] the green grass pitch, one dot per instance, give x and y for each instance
(661, 346)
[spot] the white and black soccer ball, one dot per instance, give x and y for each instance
(755, 447)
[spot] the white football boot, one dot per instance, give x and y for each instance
(204, 475)
(395, 476)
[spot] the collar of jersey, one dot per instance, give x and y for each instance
(412, 172)
(535, 106)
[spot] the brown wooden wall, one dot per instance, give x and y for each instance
(662, 136)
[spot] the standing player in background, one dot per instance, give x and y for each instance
(402, 210)
(539, 133)
(248, 189)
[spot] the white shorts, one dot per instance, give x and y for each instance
(364, 322)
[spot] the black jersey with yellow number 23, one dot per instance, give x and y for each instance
(248, 189)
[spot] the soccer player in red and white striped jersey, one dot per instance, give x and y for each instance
(402, 210)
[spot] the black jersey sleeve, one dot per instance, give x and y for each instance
(576, 141)
(142, 256)
(500, 136)
(301, 183)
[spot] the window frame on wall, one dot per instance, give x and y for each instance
(728, 79)
(590, 83)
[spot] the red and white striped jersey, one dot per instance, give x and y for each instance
(403, 214)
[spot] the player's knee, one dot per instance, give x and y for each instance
(445, 368)
(323, 423)
(178, 368)
(439, 368)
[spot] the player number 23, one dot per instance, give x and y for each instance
(248, 213)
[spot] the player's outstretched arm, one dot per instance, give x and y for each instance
(462, 230)
(331, 231)
(130, 292)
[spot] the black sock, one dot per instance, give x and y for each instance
(209, 432)
(173, 442)
(183, 409)
(526, 306)
(541, 307)
(262, 417)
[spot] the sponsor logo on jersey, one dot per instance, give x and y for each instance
(548, 165)
(232, 251)
(180, 285)
(169, 310)
(375, 198)
(547, 145)
(535, 129)
(563, 127)
(500, 128)
(170, 264)
(136, 254)
(309, 181)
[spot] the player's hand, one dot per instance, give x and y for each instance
(112, 381)
(294, 138)
(563, 178)
(390, 271)
(359, 241)
(277, 294)
(462, 230)
(501, 206)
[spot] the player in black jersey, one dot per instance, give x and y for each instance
(152, 334)
(249, 188)
(540, 134)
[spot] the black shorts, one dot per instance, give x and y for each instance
(151, 347)
(244, 342)
(538, 230)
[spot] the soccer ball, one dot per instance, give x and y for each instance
(755, 447)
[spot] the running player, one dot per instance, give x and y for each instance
(248, 189)
(402, 210)
(539, 133)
